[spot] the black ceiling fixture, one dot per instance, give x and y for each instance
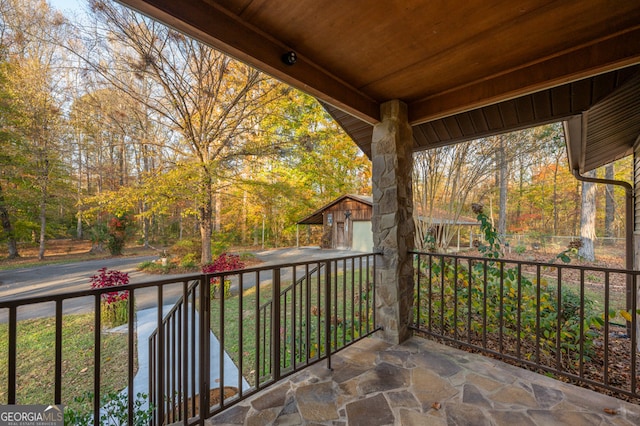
(289, 58)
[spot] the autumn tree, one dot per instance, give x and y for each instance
(315, 163)
(30, 36)
(212, 103)
(444, 178)
(9, 158)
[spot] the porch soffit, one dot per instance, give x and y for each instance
(607, 131)
(611, 100)
(466, 68)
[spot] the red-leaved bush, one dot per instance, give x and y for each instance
(224, 262)
(106, 278)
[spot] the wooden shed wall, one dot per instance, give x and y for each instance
(359, 212)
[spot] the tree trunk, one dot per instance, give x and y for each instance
(206, 217)
(44, 195)
(43, 223)
(520, 189)
(576, 202)
(555, 196)
(8, 228)
(217, 213)
(588, 219)
(610, 206)
(79, 229)
(243, 229)
(502, 218)
(146, 225)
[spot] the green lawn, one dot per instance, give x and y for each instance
(36, 360)
(311, 304)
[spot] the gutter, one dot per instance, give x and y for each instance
(629, 216)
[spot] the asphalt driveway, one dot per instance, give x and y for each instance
(56, 279)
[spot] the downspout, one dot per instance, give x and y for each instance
(629, 196)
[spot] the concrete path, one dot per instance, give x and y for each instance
(421, 382)
(146, 324)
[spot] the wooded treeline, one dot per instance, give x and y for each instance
(524, 182)
(113, 125)
(119, 117)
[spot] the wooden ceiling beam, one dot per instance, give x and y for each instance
(226, 32)
(617, 51)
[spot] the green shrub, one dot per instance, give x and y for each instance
(114, 410)
(183, 247)
(115, 313)
(247, 256)
(189, 260)
(469, 305)
(152, 267)
(147, 264)
(219, 244)
(460, 295)
(117, 229)
(520, 249)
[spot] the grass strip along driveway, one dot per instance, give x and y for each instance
(36, 360)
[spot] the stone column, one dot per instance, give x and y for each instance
(392, 221)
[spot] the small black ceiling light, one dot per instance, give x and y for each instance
(289, 58)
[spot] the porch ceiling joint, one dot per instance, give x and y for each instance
(617, 51)
(224, 31)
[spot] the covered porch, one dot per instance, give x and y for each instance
(414, 75)
(421, 382)
(399, 77)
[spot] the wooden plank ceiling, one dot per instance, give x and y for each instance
(465, 68)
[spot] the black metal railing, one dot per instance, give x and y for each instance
(278, 320)
(14, 313)
(572, 321)
(172, 358)
(206, 351)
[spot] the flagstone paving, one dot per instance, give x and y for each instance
(421, 382)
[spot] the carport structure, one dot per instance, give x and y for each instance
(407, 75)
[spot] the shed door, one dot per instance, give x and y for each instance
(340, 236)
(362, 236)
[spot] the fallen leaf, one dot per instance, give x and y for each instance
(436, 405)
(84, 370)
(610, 411)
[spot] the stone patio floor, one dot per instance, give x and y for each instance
(421, 382)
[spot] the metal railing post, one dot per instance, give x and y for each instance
(275, 322)
(185, 350)
(130, 355)
(58, 365)
(12, 368)
(97, 330)
(160, 362)
(204, 339)
(327, 318)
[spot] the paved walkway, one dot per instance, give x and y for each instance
(424, 383)
(146, 323)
